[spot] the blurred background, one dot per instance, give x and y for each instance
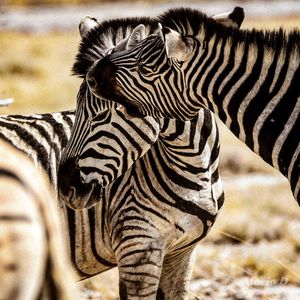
(253, 251)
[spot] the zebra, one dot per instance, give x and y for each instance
(249, 78)
(151, 218)
(41, 137)
(33, 262)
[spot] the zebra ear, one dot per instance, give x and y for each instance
(232, 19)
(176, 45)
(86, 24)
(137, 34)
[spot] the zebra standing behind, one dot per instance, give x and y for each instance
(250, 79)
(33, 260)
(42, 137)
(151, 218)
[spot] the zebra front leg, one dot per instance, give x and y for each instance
(139, 270)
(176, 275)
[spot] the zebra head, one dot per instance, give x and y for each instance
(105, 141)
(151, 76)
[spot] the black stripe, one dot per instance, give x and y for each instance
(91, 214)
(10, 174)
(10, 218)
(72, 235)
(240, 94)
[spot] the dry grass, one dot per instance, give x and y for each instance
(257, 232)
(35, 70)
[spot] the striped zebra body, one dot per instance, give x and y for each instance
(90, 241)
(150, 218)
(33, 261)
(41, 137)
(248, 78)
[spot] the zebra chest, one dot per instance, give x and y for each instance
(90, 243)
(129, 218)
(142, 220)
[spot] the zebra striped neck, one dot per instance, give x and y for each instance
(253, 88)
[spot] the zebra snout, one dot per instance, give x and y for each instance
(67, 176)
(71, 188)
(92, 83)
(101, 78)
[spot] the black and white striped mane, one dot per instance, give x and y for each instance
(189, 22)
(184, 20)
(103, 37)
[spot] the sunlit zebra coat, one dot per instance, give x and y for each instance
(33, 257)
(151, 218)
(249, 78)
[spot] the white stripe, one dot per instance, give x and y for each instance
(252, 55)
(267, 61)
(285, 132)
(296, 191)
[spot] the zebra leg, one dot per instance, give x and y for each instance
(139, 270)
(176, 274)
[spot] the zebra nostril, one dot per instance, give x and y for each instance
(92, 82)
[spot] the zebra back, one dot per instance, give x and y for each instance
(42, 137)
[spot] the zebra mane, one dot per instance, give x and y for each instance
(105, 36)
(190, 21)
(187, 21)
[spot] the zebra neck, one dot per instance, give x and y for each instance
(254, 89)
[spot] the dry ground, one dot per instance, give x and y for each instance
(253, 250)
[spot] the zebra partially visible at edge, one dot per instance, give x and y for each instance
(33, 256)
(41, 137)
(249, 78)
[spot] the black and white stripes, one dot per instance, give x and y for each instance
(33, 261)
(248, 78)
(148, 220)
(40, 136)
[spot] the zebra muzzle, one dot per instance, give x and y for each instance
(73, 190)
